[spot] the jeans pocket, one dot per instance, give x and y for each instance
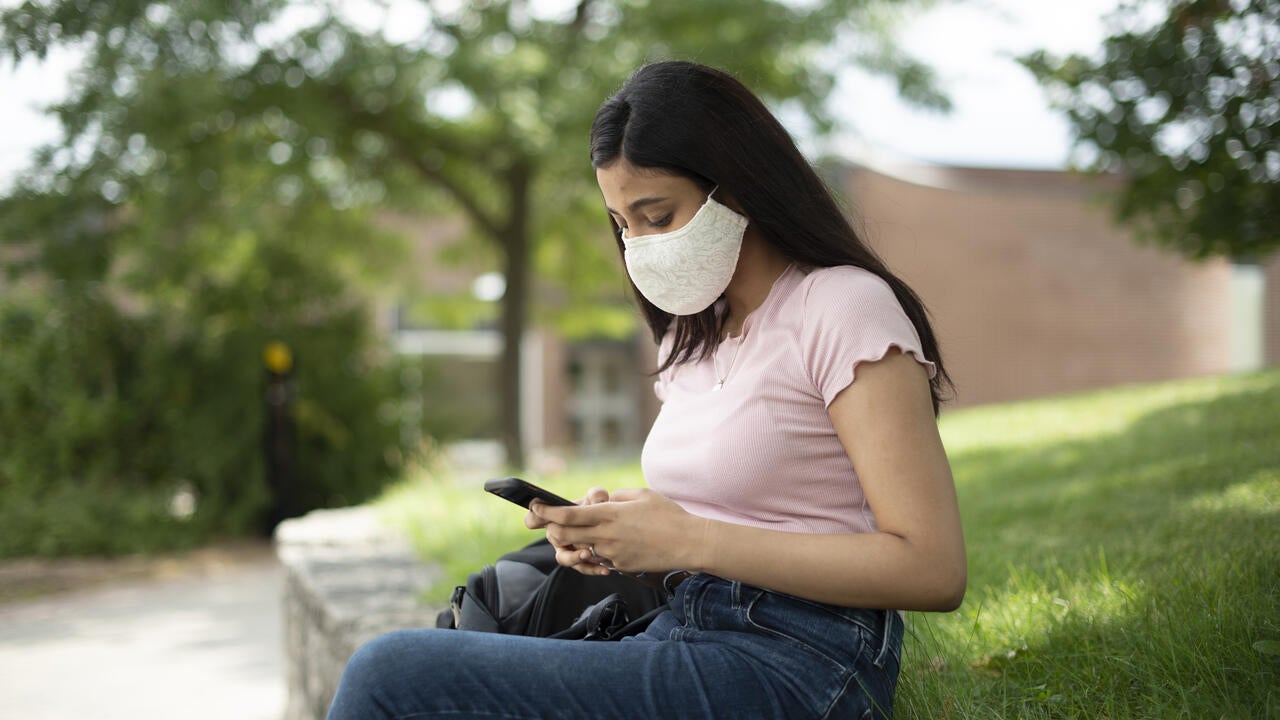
(888, 653)
(881, 631)
(823, 635)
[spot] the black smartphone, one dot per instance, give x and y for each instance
(522, 493)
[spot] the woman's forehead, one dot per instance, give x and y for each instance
(621, 182)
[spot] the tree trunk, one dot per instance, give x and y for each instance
(515, 245)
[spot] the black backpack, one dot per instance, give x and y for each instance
(526, 593)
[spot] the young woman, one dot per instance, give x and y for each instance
(798, 492)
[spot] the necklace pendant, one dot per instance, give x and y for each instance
(718, 385)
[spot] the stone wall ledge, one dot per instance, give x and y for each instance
(348, 579)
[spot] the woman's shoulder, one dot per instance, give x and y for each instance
(843, 284)
(851, 315)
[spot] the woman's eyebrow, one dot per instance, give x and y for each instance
(636, 205)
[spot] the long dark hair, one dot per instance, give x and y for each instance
(698, 122)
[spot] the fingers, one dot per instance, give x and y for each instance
(541, 513)
(575, 531)
(629, 494)
(564, 537)
(536, 518)
(578, 548)
(573, 515)
(586, 558)
(595, 495)
(582, 560)
(532, 519)
(571, 557)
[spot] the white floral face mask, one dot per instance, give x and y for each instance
(685, 270)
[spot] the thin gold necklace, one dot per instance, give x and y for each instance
(715, 366)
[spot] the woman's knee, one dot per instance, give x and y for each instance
(369, 681)
(378, 655)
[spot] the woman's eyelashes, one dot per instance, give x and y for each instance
(663, 221)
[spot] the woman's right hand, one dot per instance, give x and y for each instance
(580, 559)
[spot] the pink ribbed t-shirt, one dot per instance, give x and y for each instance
(761, 450)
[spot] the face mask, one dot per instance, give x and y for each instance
(685, 270)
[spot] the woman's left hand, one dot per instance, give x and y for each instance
(635, 531)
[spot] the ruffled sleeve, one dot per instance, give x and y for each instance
(851, 316)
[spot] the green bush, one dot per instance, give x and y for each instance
(108, 421)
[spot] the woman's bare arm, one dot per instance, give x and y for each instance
(915, 561)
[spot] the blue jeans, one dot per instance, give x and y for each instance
(722, 650)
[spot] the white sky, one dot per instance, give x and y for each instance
(1000, 118)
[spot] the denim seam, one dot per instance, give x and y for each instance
(831, 610)
(874, 709)
(779, 635)
(844, 690)
(886, 639)
(689, 617)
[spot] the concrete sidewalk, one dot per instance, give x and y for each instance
(200, 645)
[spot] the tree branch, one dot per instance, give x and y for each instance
(580, 17)
(463, 198)
(432, 173)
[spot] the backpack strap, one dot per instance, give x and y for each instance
(640, 624)
(600, 621)
(526, 593)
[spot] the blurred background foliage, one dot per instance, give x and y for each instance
(1184, 102)
(219, 185)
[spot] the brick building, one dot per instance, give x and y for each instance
(1033, 291)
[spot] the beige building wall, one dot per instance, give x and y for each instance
(1272, 311)
(1033, 290)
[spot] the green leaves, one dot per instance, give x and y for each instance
(245, 150)
(1188, 111)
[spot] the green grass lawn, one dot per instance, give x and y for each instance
(1124, 555)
